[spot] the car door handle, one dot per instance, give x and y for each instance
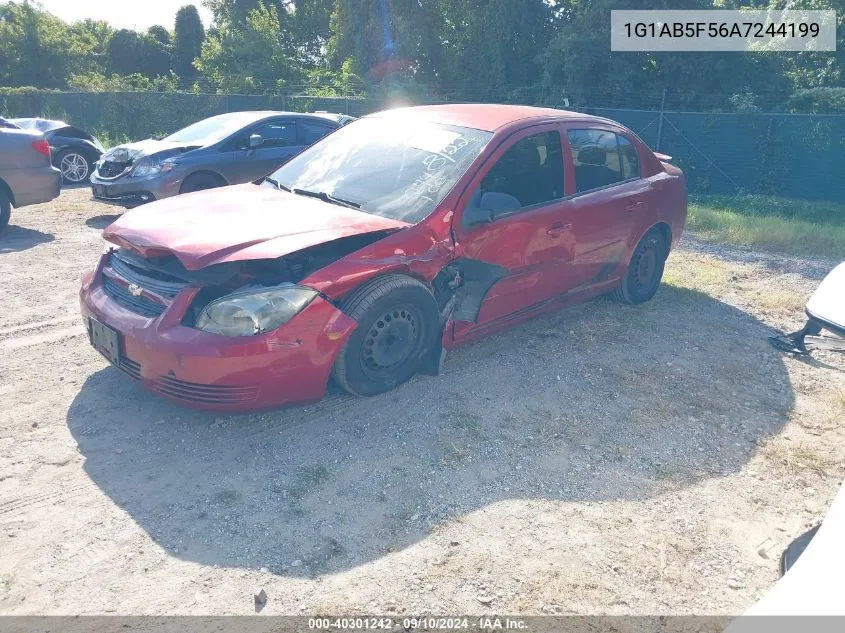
(633, 206)
(558, 228)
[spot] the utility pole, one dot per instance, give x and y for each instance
(660, 121)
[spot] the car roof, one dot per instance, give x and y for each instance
(337, 117)
(265, 114)
(485, 116)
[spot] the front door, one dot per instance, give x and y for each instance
(526, 246)
(279, 144)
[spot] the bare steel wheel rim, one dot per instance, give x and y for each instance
(74, 167)
(645, 267)
(391, 340)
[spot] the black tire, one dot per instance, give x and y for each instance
(645, 270)
(75, 166)
(397, 324)
(200, 182)
(5, 210)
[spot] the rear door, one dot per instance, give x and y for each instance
(608, 196)
(527, 250)
(311, 131)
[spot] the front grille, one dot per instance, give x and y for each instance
(130, 269)
(110, 169)
(140, 305)
(205, 394)
(131, 368)
(135, 272)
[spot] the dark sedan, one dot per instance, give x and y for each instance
(73, 149)
(226, 149)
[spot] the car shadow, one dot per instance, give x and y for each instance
(101, 221)
(597, 402)
(18, 238)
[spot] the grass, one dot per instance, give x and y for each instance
(792, 459)
(795, 227)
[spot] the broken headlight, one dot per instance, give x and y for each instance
(149, 167)
(254, 310)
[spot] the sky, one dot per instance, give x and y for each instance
(124, 14)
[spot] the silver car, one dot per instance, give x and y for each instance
(26, 175)
(226, 149)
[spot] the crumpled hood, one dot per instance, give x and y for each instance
(238, 223)
(130, 151)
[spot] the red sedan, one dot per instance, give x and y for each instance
(364, 258)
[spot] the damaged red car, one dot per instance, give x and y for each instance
(366, 257)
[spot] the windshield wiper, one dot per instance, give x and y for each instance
(325, 197)
(277, 184)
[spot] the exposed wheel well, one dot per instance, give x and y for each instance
(666, 231)
(7, 190)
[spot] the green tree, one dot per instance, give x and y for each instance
(256, 56)
(494, 46)
(159, 34)
(229, 13)
(389, 40)
(32, 47)
(580, 66)
(131, 52)
(190, 34)
(86, 42)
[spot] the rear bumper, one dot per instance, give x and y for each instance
(290, 365)
(34, 186)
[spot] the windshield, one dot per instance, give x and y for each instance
(392, 167)
(212, 130)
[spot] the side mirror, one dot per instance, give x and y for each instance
(473, 216)
(500, 204)
(255, 140)
(487, 207)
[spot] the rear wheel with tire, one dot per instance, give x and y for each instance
(645, 270)
(200, 182)
(397, 324)
(5, 210)
(75, 166)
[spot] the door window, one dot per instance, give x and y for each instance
(601, 158)
(310, 133)
(274, 133)
(529, 173)
(277, 134)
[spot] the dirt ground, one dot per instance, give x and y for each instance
(603, 460)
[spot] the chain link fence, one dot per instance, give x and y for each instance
(789, 155)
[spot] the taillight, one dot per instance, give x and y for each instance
(42, 147)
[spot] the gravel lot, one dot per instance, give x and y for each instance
(603, 460)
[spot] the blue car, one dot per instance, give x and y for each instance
(227, 149)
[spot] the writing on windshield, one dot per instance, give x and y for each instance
(392, 167)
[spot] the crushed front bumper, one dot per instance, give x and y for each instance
(129, 192)
(290, 365)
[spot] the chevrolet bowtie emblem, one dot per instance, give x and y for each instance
(135, 290)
